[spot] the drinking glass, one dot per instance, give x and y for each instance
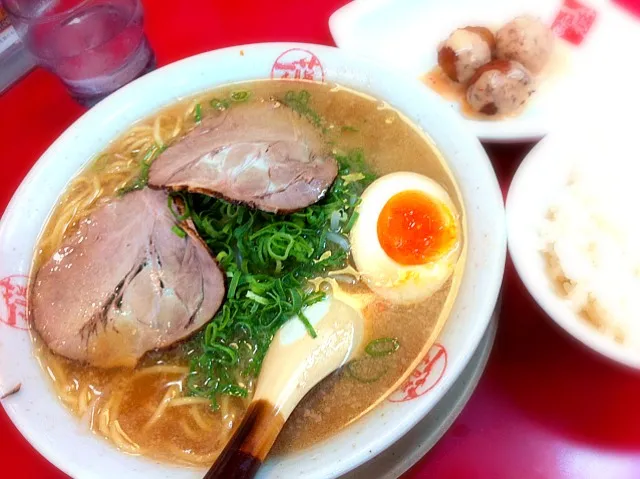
(93, 46)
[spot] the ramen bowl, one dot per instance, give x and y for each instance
(67, 442)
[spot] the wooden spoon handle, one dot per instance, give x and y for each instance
(251, 442)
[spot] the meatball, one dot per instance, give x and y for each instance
(525, 40)
(465, 51)
(500, 87)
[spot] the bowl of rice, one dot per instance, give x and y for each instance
(574, 236)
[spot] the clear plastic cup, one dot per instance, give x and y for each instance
(93, 46)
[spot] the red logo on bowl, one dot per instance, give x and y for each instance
(298, 64)
(425, 377)
(13, 301)
(573, 21)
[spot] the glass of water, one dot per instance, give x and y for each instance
(93, 46)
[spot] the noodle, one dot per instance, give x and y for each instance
(156, 132)
(103, 422)
(134, 143)
(69, 399)
(189, 401)
(55, 371)
(121, 439)
(178, 128)
(197, 417)
(224, 406)
(140, 128)
(83, 400)
(188, 430)
(192, 457)
(169, 395)
(115, 401)
(161, 369)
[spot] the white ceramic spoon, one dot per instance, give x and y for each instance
(294, 364)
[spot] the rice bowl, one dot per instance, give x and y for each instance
(571, 235)
(590, 241)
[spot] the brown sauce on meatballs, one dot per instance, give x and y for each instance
(439, 82)
(525, 45)
(452, 91)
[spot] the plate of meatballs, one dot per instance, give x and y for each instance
(507, 67)
(493, 75)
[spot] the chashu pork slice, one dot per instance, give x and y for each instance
(262, 154)
(125, 283)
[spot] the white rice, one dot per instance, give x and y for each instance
(591, 239)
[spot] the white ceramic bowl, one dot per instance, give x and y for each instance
(541, 176)
(68, 443)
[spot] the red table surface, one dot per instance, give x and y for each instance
(545, 407)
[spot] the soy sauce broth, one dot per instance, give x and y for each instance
(194, 434)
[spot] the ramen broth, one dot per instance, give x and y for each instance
(146, 410)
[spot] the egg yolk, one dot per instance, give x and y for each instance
(414, 229)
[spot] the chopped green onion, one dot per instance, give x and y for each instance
(351, 177)
(308, 325)
(219, 104)
(304, 96)
(281, 242)
(299, 102)
(178, 231)
(175, 208)
(351, 222)
(198, 113)
(235, 279)
(240, 96)
(227, 355)
(268, 260)
(366, 371)
(382, 347)
(257, 298)
(143, 177)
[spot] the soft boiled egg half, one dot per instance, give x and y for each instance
(407, 238)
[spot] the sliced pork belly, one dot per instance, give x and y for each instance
(261, 154)
(124, 283)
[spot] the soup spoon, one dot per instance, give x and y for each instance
(294, 364)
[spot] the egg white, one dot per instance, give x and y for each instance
(397, 283)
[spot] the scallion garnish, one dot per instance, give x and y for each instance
(382, 347)
(198, 113)
(219, 104)
(240, 96)
(351, 222)
(308, 325)
(366, 370)
(257, 298)
(268, 260)
(181, 205)
(178, 231)
(233, 285)
(143, 177)
(299, 102)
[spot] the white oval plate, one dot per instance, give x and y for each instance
(403, 35)
(65, 441)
